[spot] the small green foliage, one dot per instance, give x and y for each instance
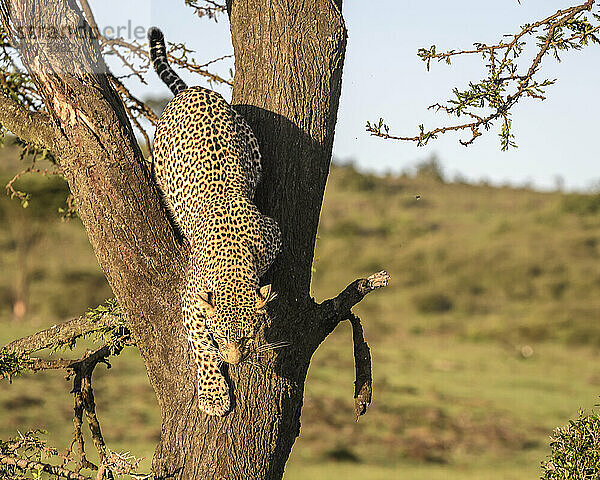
(376, 127)
(24, 197)
(68, 212)
(116, 336)
(506, 137)
(109, 307)
(13, 363)
(575, 450)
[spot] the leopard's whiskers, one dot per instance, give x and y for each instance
(272, 346)
(213, 349)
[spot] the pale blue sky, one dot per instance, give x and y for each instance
(384, 77)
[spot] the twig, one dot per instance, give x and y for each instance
(528, 29)
(173, 59)
(140, 106)
(211, 11)
(44, 171)
(37, 364)
(25, 464)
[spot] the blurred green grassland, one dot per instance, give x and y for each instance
(486, 339)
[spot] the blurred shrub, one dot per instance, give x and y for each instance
(557, 289)
(432, 169)
(350, 227)
(341, 454)
(349, 178)
(575, 450)
(433, 302)
(581, 204)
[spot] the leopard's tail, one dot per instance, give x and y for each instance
(158, 54)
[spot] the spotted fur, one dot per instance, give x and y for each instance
(207, 164)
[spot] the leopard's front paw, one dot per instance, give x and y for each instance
(213, 396)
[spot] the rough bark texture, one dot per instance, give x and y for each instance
(289, 56)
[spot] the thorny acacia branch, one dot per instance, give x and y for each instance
(207, 8)
(571, 28)
(103, 319)
(29, 453)
(338, 309)
(26, 464)
(106, 321)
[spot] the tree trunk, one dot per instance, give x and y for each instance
(288, 56)
(288, 72)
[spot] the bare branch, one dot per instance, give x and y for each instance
(63, 333)
(25, 464)
(363, 384)
(36, 128)
(89, 17)
(38, 364)
(211, 9)
(83, 398)
(337, 309)
(83, 395)
(357, 290)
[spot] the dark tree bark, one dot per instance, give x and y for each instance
(288, 57)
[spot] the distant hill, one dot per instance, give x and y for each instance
(473, 260)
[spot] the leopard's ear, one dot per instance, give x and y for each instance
(206, 302)
(264, 296)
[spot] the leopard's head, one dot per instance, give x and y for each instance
(234, 317)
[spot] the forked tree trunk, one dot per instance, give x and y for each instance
(288, 57)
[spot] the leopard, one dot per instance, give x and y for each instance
(207, 164)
